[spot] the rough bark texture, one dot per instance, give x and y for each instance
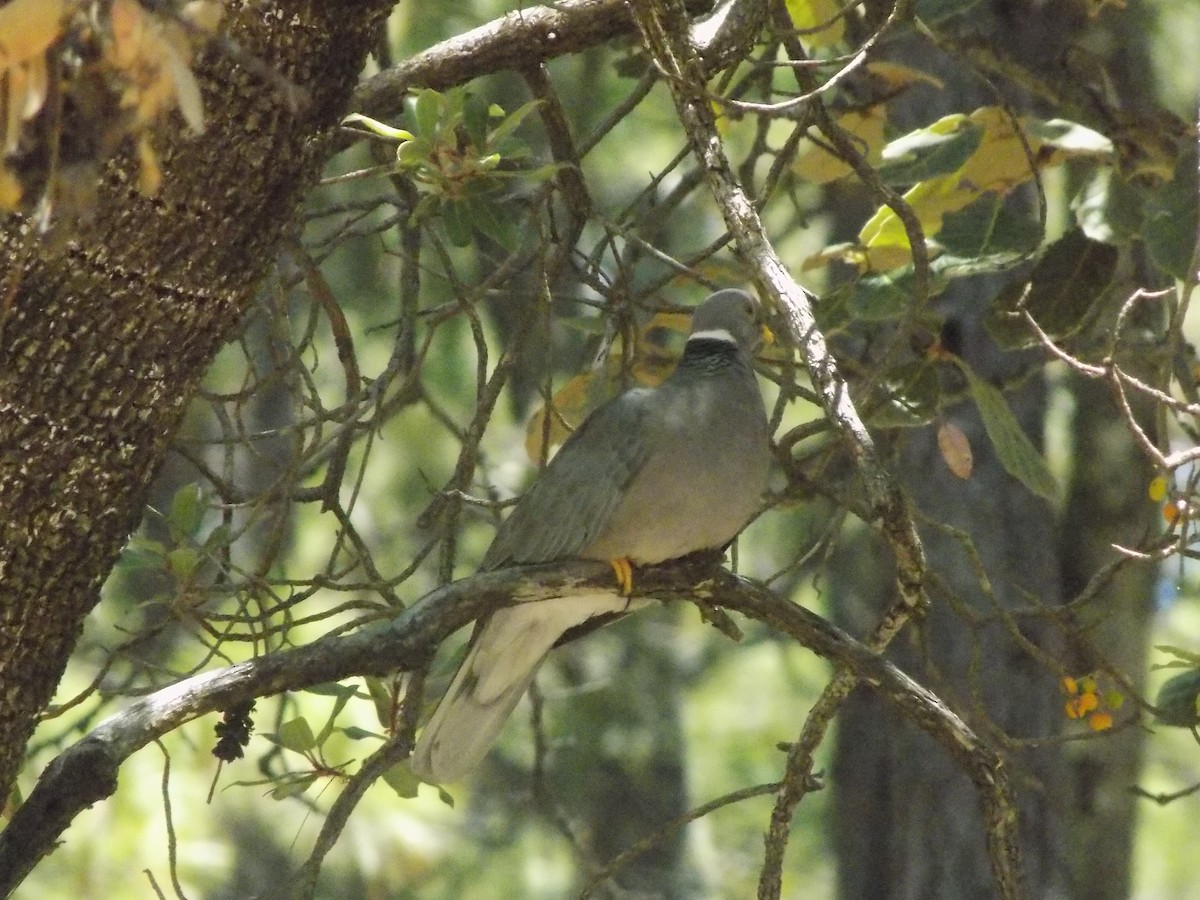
(103, 339)
(906, 824)
(907, 821)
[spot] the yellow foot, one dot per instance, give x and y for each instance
(623, 569)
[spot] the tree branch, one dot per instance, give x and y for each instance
(87, 772)
(665, 32)
(517, 41)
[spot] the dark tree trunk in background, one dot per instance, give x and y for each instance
(1107, 505)
(104, 339)
(906, 822)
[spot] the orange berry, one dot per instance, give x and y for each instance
(1100, 721)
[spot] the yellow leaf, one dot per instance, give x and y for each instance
(1158, 489)
(576, 400)
(865, 127)
(27, 28)
(568, 408)
(187, 91)
(10, 190)
(150, 172)
(28, 84)
(930, 200)
(896, 76)
(719, 117)
(127, 25)
(1000, 163)
(677, 323)
(821, 21)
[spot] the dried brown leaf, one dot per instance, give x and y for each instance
(955, 449)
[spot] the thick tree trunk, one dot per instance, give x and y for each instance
(104, 339)
(907, 819)
(1107, 505)
(906, 823)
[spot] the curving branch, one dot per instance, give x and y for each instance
(527, 38)
(666, 34)
(517, 41)
(86, 773)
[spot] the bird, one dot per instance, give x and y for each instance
(654, 474)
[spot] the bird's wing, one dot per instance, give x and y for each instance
(574, 497)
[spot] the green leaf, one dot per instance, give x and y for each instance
(985, 228)
(879, 298)
(427, 111)
(1068, 280)
(938, 149)
(1171, 220)
(490, 218)
(1178, 700)
(332, 689)
(510, 123)
(217, 539)
(457, 220)
(1071, 137)
(187, 511)
(413, 154)
(359, 734)
(293, 786)
(1062, 292)
(377, 127)
(343, 697)
(1013, 447)
(913, 394)
(142, 553)
(382, 699)
(475, 119)
(1181, 652)
(539, 174)
(182, 562)
(296, 735)
(400, 778)
(1109, 209)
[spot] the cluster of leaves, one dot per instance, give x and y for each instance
(462, 152)
(123, 67)
(1178, 701)
(958, 176)
(187, 547)
(297, 736)
(1086, 701)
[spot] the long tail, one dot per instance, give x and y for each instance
(501, 663)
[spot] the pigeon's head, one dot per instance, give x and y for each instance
(730, 315)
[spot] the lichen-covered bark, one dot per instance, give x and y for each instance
(104, 338)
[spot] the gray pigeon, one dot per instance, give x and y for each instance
(652, 475)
